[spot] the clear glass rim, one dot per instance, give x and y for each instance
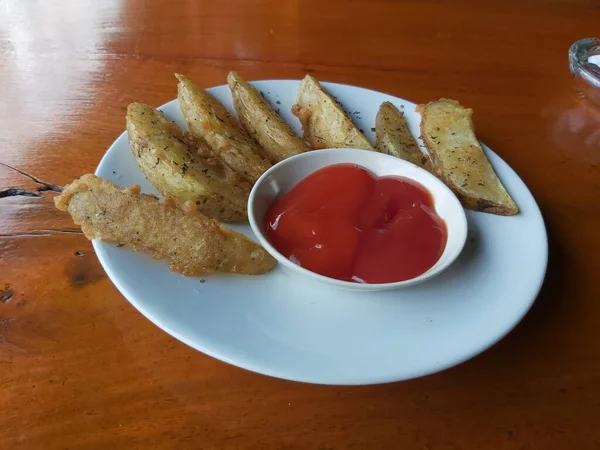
(579, 53)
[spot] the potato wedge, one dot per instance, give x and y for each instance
(182, 169)
(324, 122)
(262, 123)
(394, 138)
(458, 159)
(191, 243)
(207, 118)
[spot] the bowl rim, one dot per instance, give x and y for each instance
(430, 273)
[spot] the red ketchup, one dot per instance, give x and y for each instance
(343, 222)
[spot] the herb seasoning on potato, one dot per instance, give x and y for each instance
(208, 119)
(459, 160)
(184, 169)
(261, 122)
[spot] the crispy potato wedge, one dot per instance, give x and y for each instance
(183, 169)
(458, 159)
(262, 123)
(394, 138)
(207, 118)
(191, 243)
(324, 122)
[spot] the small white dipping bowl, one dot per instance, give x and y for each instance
(282, 177)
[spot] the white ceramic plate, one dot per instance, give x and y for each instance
(294, 328)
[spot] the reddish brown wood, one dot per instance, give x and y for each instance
(80, 368)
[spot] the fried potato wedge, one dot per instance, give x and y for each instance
(191, 243)
(262, 123)
(458, 159)
(207, 118)
(184, 169)
(324, 122)
(394, 138)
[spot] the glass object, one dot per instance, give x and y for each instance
(573, 118)
(584, 62)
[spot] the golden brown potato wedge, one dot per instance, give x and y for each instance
(262, 123)
(394, 138)
(191, 243)
(458, 159)
(324, 122)
(184, 169)
(207, 118)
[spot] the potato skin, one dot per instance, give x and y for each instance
(394, 138)
(324, 122)
(448, 133)
(262, 123)
(183, 169)
(209, 120)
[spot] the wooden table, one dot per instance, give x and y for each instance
(81, 368)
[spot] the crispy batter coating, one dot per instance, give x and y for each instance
(191, 243)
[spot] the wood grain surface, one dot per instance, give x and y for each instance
(81, 368)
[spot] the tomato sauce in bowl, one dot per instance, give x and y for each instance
(344, 223)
